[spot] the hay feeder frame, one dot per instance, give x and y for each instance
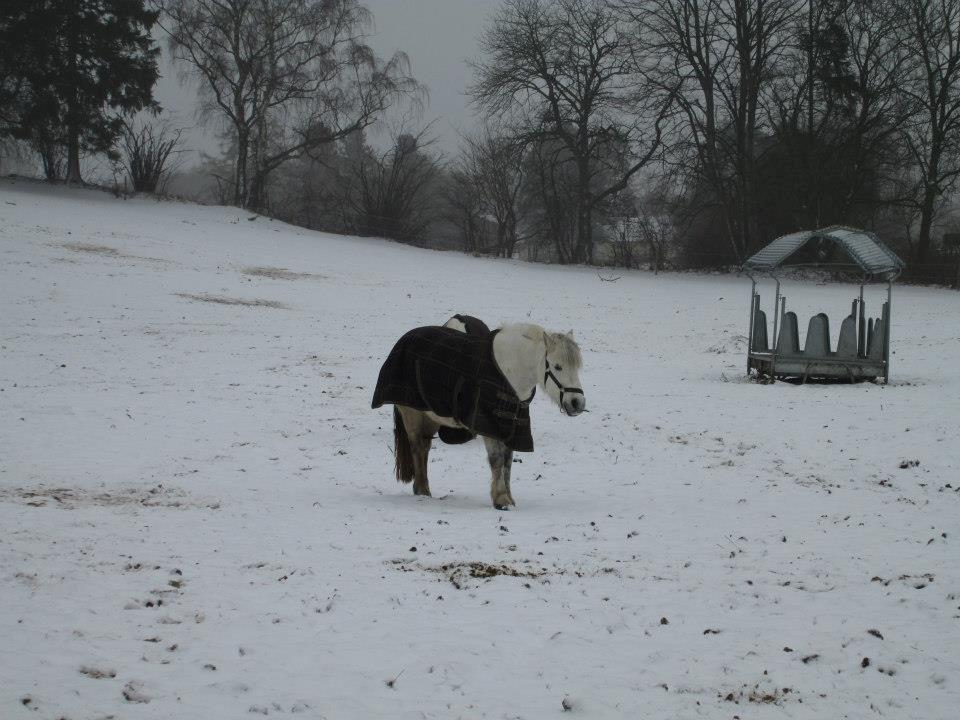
(863, 349)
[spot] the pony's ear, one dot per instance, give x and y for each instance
(570, 335)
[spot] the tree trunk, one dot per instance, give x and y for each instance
(240, 173)
(501, 239)
(587, 234)
(73, 156)
(930, 195)
(926, 222)
(584, 244)
(257, 193)
(511, 234)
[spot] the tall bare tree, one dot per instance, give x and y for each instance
(879, 68)
(391, 193)
(573, 66)
(717, 55)
(836, 108)
(933, 138)
(464, 208)
(549, 200)
(287, 76)
(492, 159)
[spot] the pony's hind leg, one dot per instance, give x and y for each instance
(420, 430)
(501, 460)
(421, 454)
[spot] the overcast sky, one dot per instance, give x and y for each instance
(438, 36)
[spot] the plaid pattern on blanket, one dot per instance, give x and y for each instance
(454, 374)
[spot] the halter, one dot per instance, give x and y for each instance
(548, 374)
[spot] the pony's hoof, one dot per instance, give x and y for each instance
(425, 493)
(501, 507)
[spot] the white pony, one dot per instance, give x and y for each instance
(528, 356)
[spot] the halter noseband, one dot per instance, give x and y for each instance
(548, 374)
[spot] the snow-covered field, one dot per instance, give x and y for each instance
(198, 517)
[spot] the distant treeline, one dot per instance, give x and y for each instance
(660, 133)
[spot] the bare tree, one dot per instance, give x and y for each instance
(716, 55)
(573, 65)
(390, 194)
(656, 225)
(492, 159)
(465, 207)
(836, 109)
(287, 76)
(307, 191)
(148, 152)
(878, 112)
(549, 200)
(933, 138)
(48, 143)
(624, 242)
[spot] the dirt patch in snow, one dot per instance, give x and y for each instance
(104, 251)
(276, 273)
(72, 498)
(93, 249)
(760, 694)
(224, 300)
(459, 573)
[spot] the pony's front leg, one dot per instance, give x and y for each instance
(505, 471)
(500, 458)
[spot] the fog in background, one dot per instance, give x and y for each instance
(437, 35)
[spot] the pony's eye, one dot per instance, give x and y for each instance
(557, 368)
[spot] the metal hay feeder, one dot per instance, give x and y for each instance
(863, 350)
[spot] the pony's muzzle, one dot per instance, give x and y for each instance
(574, 404)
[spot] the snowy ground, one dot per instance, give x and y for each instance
(198, 517)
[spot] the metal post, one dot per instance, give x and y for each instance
(783, 319)
(753, 304)
(886, 350)
(861, 331)
(776, 318)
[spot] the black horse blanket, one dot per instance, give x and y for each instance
(454, 374)
(457, 436)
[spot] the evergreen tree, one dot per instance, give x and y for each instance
(68, 66)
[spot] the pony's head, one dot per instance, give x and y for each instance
(561, 372)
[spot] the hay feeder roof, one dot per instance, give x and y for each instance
(864, 248)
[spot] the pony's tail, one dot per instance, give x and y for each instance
(403, 453)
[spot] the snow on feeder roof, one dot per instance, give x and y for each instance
(863, 247)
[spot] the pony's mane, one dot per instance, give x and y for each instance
(568, 350)
(565, 346)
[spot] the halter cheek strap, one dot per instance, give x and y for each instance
(548, 374)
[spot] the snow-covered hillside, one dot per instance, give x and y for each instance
(198, 516)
